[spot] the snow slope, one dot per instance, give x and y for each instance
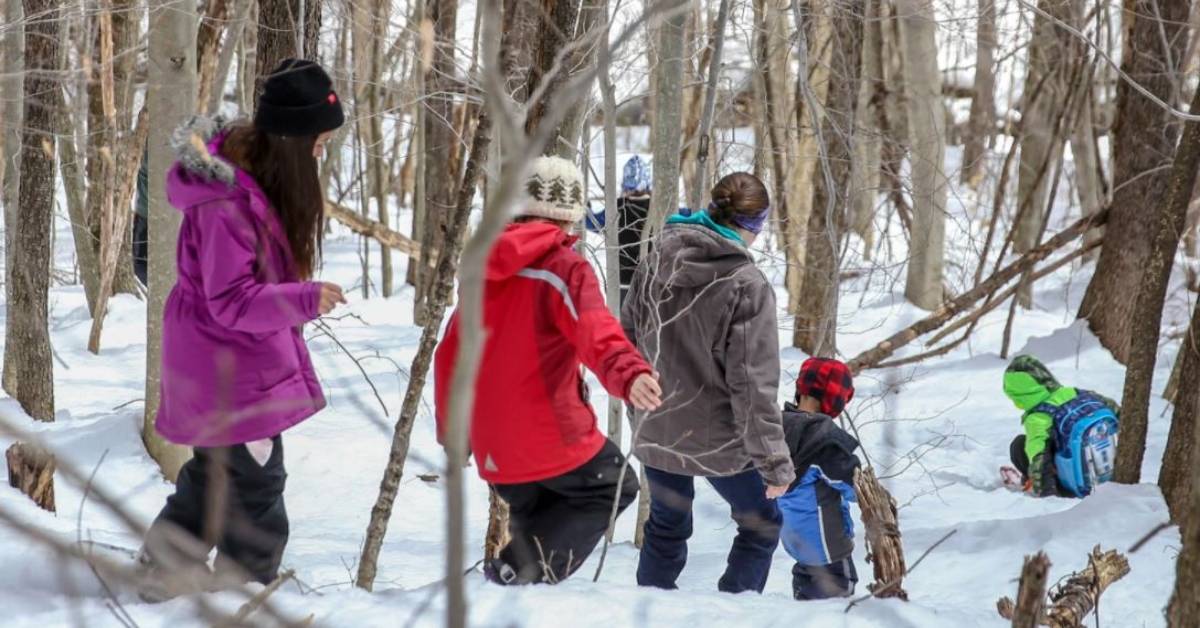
(937, 431)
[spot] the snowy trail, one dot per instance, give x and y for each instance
(948, 435)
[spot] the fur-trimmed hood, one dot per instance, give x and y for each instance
(200, 175)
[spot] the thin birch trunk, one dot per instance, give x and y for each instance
(981, 125)
(170, 100)
(927, 127)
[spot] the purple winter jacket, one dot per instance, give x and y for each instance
(234, 364)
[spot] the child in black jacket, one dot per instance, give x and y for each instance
(818, 531)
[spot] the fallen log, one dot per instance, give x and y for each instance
(31, 471)
(372, 229)
(1029, 611)
(1072, 601)
(884, 550)
(883, 350)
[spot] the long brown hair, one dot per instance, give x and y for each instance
(740, 193)
(286, 170)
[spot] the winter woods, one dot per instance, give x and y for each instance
(233, 227)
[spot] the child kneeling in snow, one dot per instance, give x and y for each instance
(1070, 437)
(533, 433)
(817, 529)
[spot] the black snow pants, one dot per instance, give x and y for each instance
(225, 498)
(556, 523)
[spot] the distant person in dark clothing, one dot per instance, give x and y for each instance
(141, 222)
(633, 205)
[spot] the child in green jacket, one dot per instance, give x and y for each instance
(1045, 402)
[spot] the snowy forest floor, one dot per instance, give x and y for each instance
(937, 431)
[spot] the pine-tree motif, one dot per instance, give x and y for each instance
(576, 194)
(558, 193)
(534, 186)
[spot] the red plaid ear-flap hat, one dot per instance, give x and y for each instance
(827, 381)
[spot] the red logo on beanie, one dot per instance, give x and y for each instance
(332, 98)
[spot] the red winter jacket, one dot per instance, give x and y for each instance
(544, 315)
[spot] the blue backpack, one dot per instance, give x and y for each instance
(1085, 442)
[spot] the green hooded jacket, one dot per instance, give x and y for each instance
(1028, 383)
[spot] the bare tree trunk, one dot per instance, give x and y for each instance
(233, 38)
(1144, 141)
(927, 128)
(126, 33)
(11, 79)
(702, 170)
(668, 120)
(612, 246)
(805, 147)
(1175, 478)
(1050, 61)
(279, 26)
(208, 43)
(1184, 608)
(816, 318)
(884, 548)
(69, 165)
(1030, 609)
(370, 21)
(439, 140)
(982, 123)
(1073, 600)
(29, 342)
(868, 149)
(170, 100)
(1148, 307)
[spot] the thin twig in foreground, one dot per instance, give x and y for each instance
(911, 568)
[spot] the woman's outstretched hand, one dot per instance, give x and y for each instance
(331, 297)
(645, 393)
(775, 492)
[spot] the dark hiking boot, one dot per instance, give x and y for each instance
(499, 572)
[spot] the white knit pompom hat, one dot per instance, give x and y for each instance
(554, 190)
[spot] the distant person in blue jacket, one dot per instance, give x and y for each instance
(818, 531)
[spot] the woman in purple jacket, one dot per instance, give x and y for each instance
(235, 369)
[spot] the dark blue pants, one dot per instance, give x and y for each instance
(820, 582)
(664, 552)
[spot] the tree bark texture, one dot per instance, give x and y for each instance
(29, 342)
(171, 100)
(1184, 608)
(562, 26)
(982, 122)
(1075, 599)
(1144, 141)
(816, 317)
(1175, 477)
(668, 122)
(368, 33)
(865, 186)
(1030, 609)
(214, 20)
(884, 549)
(1167, 224)
(31, 471)
(439, 139)
(278, 29)
(14, 112)
(1052, 56)
(927, 128)
(805, 145)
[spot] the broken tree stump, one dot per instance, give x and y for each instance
(1029, 611)
(31, 471)
(1072, 601)
(884, 550)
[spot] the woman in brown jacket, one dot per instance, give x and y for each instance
(704, 315)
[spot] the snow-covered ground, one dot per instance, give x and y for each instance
(938, 432)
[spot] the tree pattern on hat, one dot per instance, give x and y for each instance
(556, 191)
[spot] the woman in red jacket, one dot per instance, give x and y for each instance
(533, 432)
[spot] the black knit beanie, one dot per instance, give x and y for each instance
(297, 99)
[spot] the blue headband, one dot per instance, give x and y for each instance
(753, 224)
